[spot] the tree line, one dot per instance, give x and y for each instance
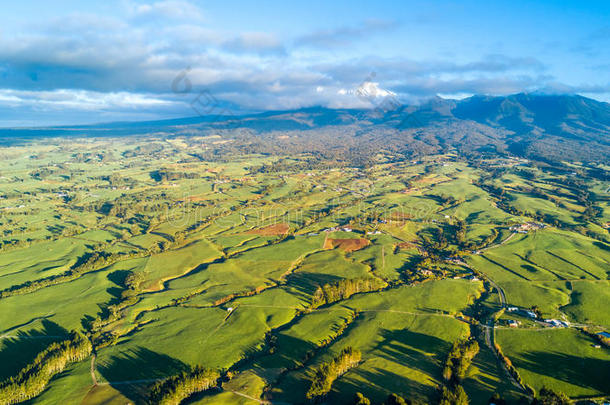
(173, 390)
(459, 359)
(33, 379)
(343, 289)
(393, 399)
(328, 372)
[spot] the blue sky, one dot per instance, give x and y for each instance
(67, 61)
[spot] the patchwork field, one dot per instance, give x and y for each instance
(265, 270)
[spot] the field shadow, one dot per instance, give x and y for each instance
(418, 351)
(581, 371)
(409, 264)
(490, 379)
(133, 371)
(380, 383)
(482, 390)
(201, 267)
(55, 229)
(289, 353)
(529, 268)
(602, 245)
(305, 284)
(408, 347)
(118, 277)
(17, 352)
(473, 216)
(505, 268)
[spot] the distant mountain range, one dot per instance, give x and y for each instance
(554, 127)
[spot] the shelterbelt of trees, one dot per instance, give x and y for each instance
(33, 379)
(343, 289)
(174, 390)
(327, 373)
(459, 359)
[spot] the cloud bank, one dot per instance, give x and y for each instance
(115, 67)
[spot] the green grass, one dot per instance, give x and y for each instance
(384, 257)
(39, 261)
(561, 359)
(485, 377)
(71, 387)
(401, 354)
(404, 331)
(65, 304)
(545, 255)
(586, 300)
(433, 297)
(174, 263)
(198, 335)
(547, 296)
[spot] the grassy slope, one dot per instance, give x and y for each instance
(561, 359)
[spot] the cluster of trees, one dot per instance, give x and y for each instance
(327, 373)
(459, 359)
(88, 157)
(170, 175)
(435, 242)
(338, 331)
(444, 200)
(174, 390)
(44, 172)
(33, 379)
(116, 180)
(343, 289)
(453, 396)
(499, 193)
(9, 244)
(483, 243)
(550, 397)
(272, 340)
(393, 399)
(604, 340)
(132, 284)
(460, 229)
(305, 163)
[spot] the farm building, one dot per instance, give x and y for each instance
(528, 226)
(556, 323)
(531, 314)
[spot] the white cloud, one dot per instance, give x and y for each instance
(91, 63)
(167, 9)
(257, 42)
(80, 100)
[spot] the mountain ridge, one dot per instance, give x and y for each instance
(554, 127)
